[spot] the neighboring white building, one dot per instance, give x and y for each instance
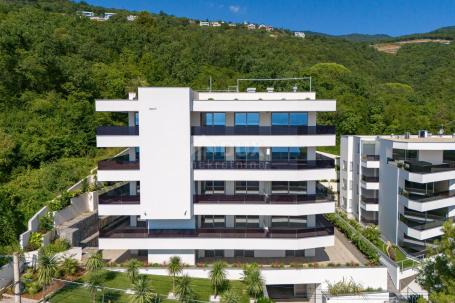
(299, 34)
(108, 16)
(232, 24)
(87, 13)
(204, 23)
(251, 26)
(415, 184)
(215, 24)
(131, 17)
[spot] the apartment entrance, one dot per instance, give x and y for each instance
(292, 292)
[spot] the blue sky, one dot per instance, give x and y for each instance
(393, 17)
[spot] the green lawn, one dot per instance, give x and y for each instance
(160, 284)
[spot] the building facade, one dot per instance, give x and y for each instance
(216, 175)
(414, 176)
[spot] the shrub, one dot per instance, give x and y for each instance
(69, 266)
(264, 300)
(34, 288)
(58, 246)
(35, 241)
(46, 223)
(344, 287)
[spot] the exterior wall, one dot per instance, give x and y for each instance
(265, 141)
(269, 106)
(161, 256)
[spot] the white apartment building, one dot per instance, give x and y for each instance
(217, 175)
(406, 183)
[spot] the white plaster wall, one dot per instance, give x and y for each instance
(117, 141)
(259, 96)
(432, 156)
(264, 106)
(162, 256)
(265, 141)
(117, 105)
(377, 297)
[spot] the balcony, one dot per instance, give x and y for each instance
(263, 136)
(423, 167)
(117, 136)
(118, 169)
(370, 161)
(425, 172)
(370, 200)
(117, 131)
(372, 179)
(272, 205)
(370, 182)
(422, 226)
(119, 199)
(370, 157)
(218, 238)
(262, 130)
(265, 165)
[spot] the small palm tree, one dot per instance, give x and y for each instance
(174, 268)
(95, 262)
(132, 269)
(142, 291)
(230, 296)
(94, 284)
(47, 268)
(253, 280)
(69, 266)
(218, 276)
(183, 289)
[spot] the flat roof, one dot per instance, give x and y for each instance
(415, 139)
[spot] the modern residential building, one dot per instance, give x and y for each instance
(299, 34)
(406, 183)
(214, 174)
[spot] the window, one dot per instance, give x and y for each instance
(246, 221)
(214, 253)
(289, 153)
(289, 119)
(448, 155)
(213, 222)
(290, 222)
(247, 154)
(246, 119)
(247, 187)
(213, 153)
(214, 119)
(295, 253)
(244, 253)
(403, 154)
(289, 187)
(212, 187)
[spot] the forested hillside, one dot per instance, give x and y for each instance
(54, 64)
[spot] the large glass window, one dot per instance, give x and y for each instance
(289, 187)
(247, 153)
(403, 154)
(289, 119)
(213, 221)
(212, 187)
(246, 221)
(449, 155)
(289, 222)
(288, 153)
(216, 153)
(213, 119)
(419, 188)
(246, 119)
(247, 187)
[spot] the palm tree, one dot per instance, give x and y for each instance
(183, 289)
(95, 262)
(174, 268)
(93, 283)
(69, 266)
(253, 280)
(132, 269)
(230, 296)
(47, 268)
(142, 291)
(218, 276)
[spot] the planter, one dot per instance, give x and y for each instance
(214, 299)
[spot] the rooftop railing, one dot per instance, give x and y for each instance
(262, 130)
(117, 131)
(423, 167)
(262, 199)
(259, 165)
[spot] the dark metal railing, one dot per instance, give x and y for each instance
(419, 225)
(370, 200)
(324, 228)
(370, 157)
(117, 131)
(262, 130)
(302, 164)
(426, 196)
(423, 167)
(118, 163)
(370, 178)
(119, 199)
(262, 199)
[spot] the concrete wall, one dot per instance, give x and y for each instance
(377, 297)
(85, 202)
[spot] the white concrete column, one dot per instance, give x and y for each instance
(311, 220)
(230, 221)
(263, 154)
(229, 188)
(312, 119)
(230, 153)
(133, 188)
(132, 153)
(311, 187)
(452, 184)
(229, 253)
(230, 119)
(311, 153)
(265, 119)
(131, 119)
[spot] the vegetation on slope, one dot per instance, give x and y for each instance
(54, 63)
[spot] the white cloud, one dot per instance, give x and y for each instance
(234, 8)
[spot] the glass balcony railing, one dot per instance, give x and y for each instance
(323, 228)
(118, 163)
(370, 178)
(301, 164)
(420, 225)
(370, 157)
(119, 199)
(421, 196)
(370, 200)
(262, 130)
(117, 131)
(262, 199)
(423, 167)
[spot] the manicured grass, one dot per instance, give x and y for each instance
(160, 284)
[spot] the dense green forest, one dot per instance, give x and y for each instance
(55, 63)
